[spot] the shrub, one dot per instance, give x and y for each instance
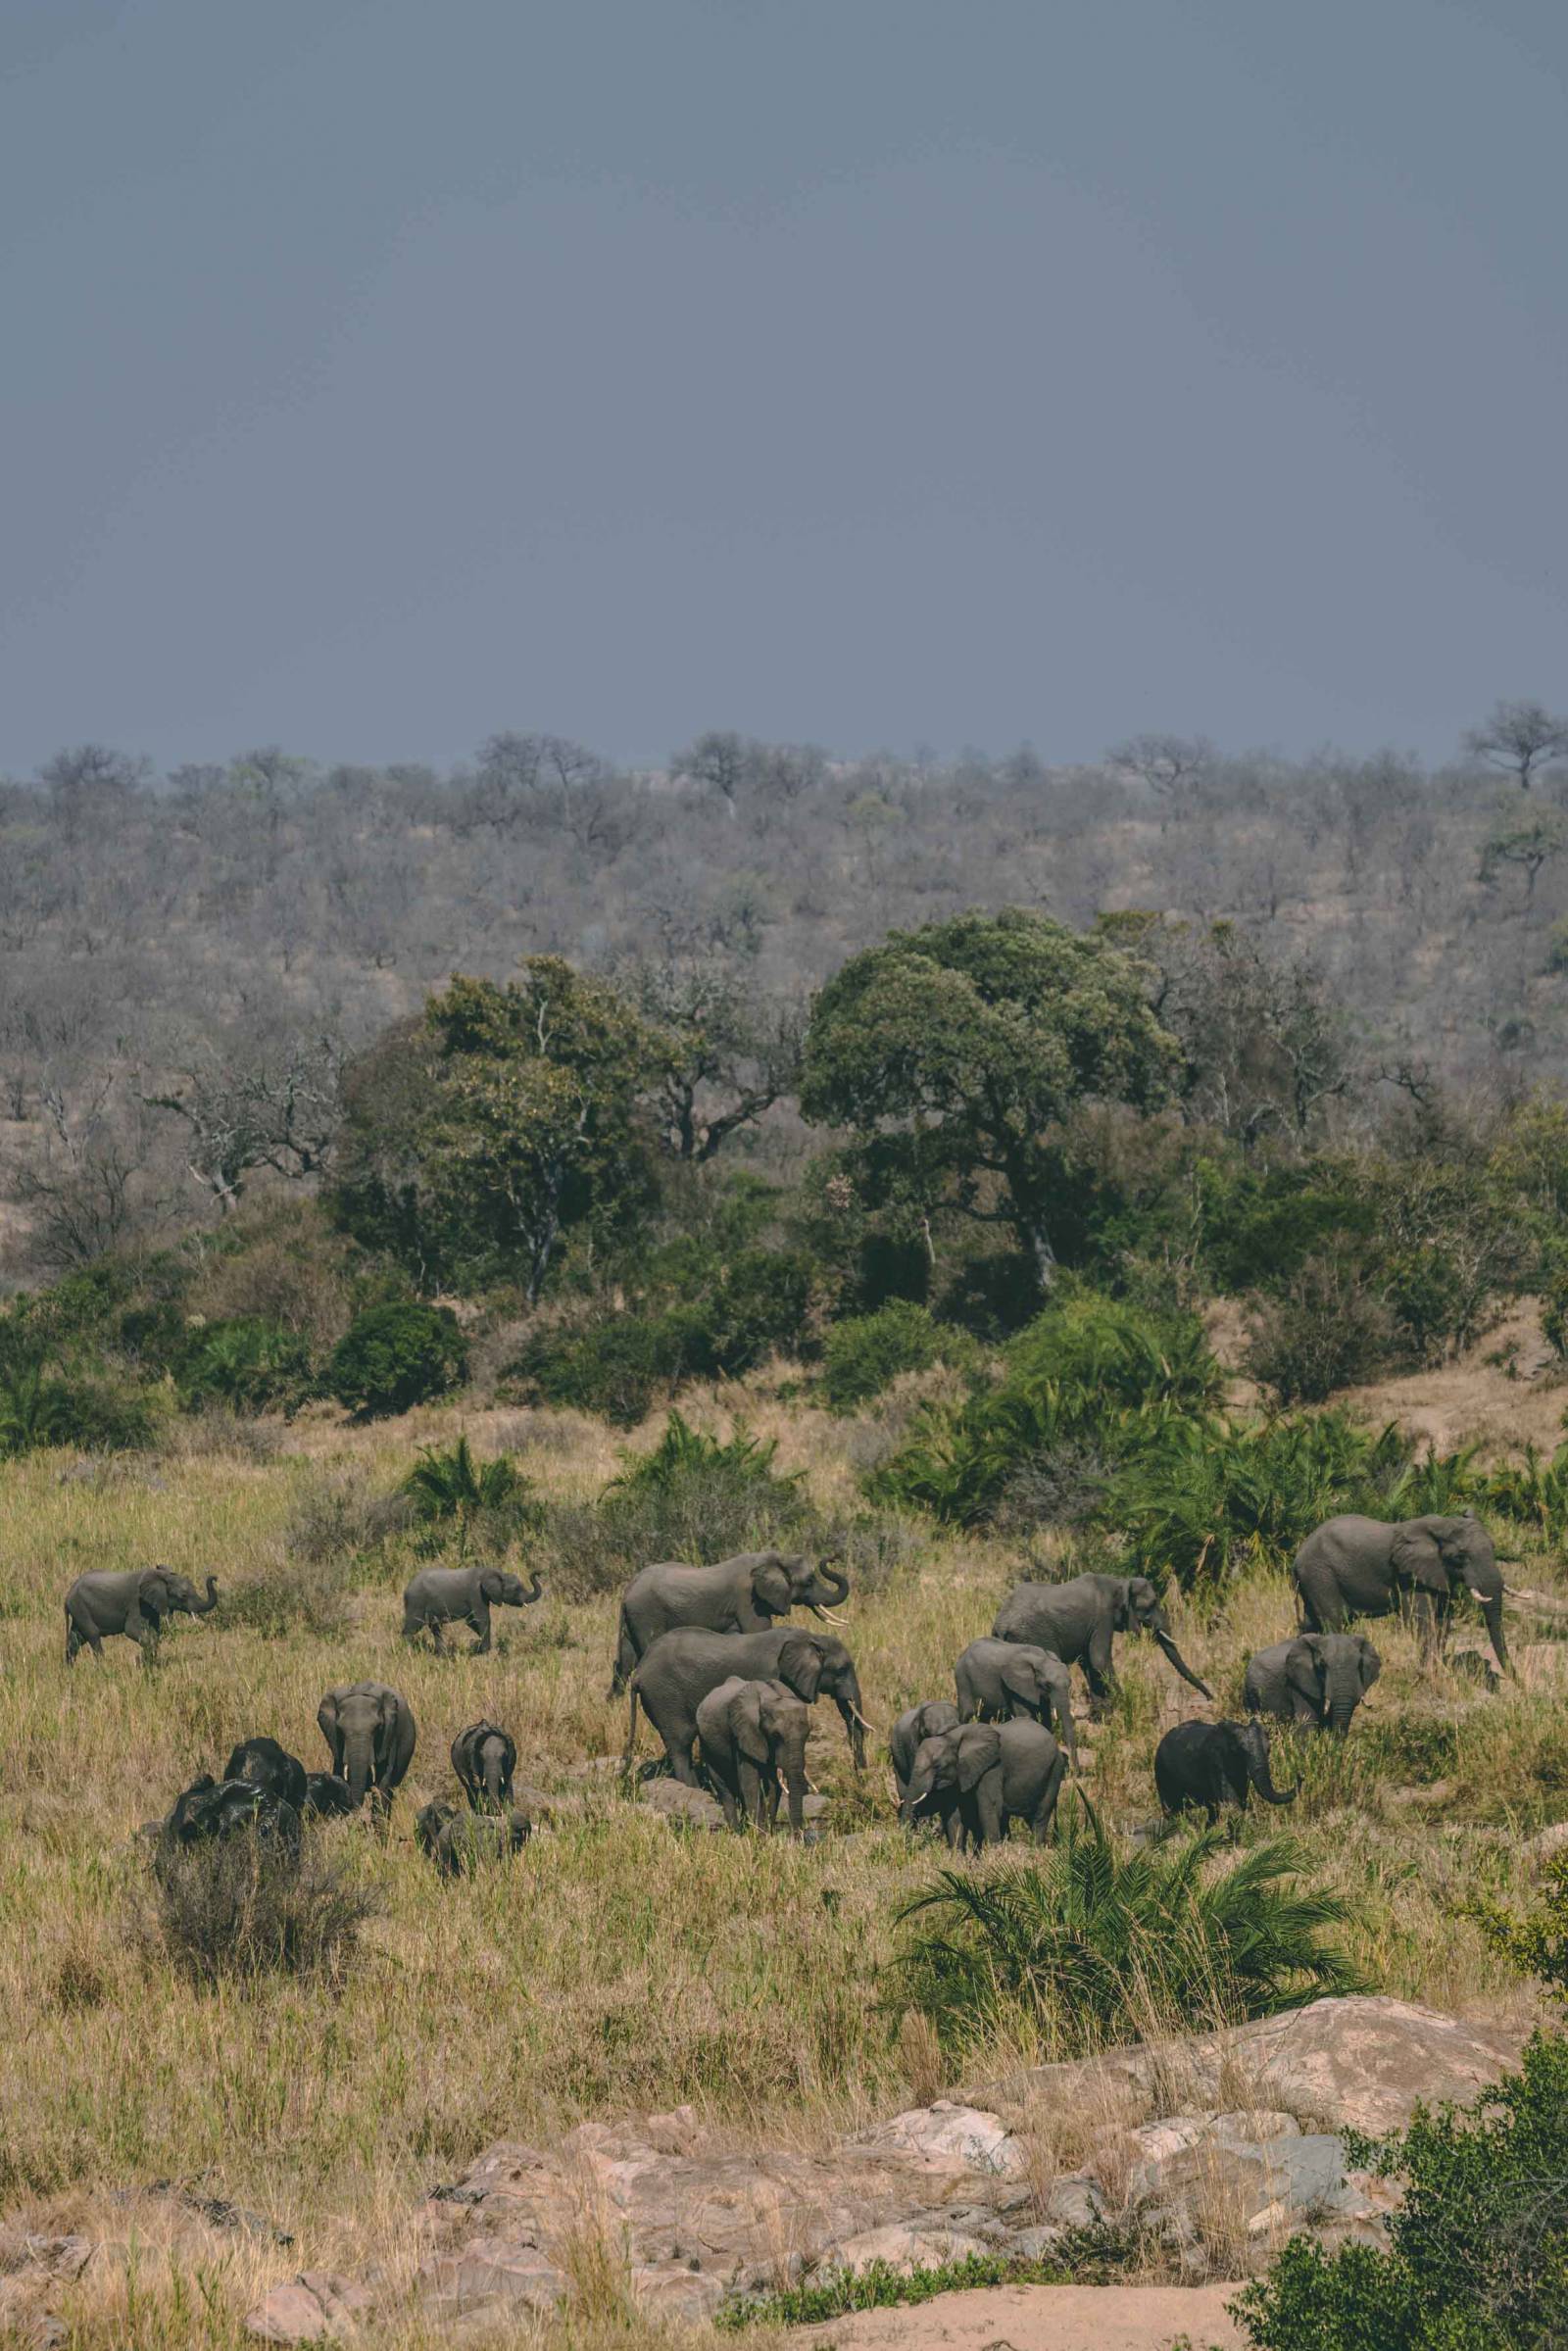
(250, 1364)
(341, 1513)
(1090, 1946)
(1533, 1492)
(1478, 2251)
(296, 1596)
(1537, 1943)
(617, 1365)
(1326, 1329)
(690, 1497)
(95, 1414)
(244, 1907)
(867, 1353)
(488, 1501)
(395, 1357)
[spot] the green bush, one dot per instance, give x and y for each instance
(489, 1504)
(1089, 1944)
(691, 1497)
(617, 1365)
(1325, 1329)
(865, 1355)
(1478, 2251)
(393, 1357)
(249, 1363)
(95, 1414)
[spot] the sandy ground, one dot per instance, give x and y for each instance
(1046, 2318)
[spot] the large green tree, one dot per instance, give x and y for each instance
(951, 1052)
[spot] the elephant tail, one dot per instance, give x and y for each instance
(631, 1736)
(626, 1658)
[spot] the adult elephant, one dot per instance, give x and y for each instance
(1078, 1621)
(370, 1731)
(743, 1595)
(1211, 1764)
(750, 1734)
(484, 1758)
(999, 1679)
(130, 1600)
(981, 1777)
(1318, 1679)
(915, 1724)
(683, 1666)
(266, 1764)
(1354, 1566)
(444, 1595)
(211, 1811)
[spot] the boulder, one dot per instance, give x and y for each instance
(899, 2248)
(952, 2138)
(1271, 2183)
(318, 2306)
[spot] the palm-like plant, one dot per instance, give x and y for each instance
(683, 1452)
(446, 1486)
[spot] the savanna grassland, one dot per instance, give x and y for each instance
(619, 1963)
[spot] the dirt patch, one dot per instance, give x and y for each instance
(1474, 1400)
(1048, 2317)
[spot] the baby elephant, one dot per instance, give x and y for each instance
(444, 1595)
(265, 1764)
(459, 1842)
(132, 1601)
(484, 1759)
(748, 1733)
(1209, 1764)
(981, 1777)
(1000, 1680)
(326, 1796)
(1318, 1679)
(915, 1724)
(211, 1811)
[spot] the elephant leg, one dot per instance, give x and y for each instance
(733, 1818)
(953, 1829)
(750, 1780)
(480, 1621)
(987, 1807)
(767, 1818)
(1429, 1621)
(73, 1641)
(1046, 1810)
(1100, 1672)
(435, 1636)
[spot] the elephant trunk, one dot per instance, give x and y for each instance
(1491, 1611)
(1064, 1724)
(530, 1598)
(1182, 1667)
(1262, 1779)
(794, 1764)
(837, 1582)
(206, 1608)
(1344, 1696)
(357, 1761)
(855, 1722)
(493, 1774)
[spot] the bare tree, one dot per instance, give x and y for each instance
(279, 1107)
(730, 1055)
(720, 761)
(1518, 738)
(85, 1186)
(1169, 765)
(1527, 838)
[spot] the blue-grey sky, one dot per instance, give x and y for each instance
(882, 372)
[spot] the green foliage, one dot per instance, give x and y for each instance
(393, 1357)
(684, 1453)
(249, 1363)
(951, 1051)
(1325, 1329)
(1091, 1945)
(615, 1364)
(1095, 2256)
(1533, 1492)
(865, 1354)
(1478, 2251)
(691, 1497)
(97, 1414)
(488, 1500)
(1537, 1943)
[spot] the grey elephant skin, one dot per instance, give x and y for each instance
(1318, 1679)
(459, 1842)
(928, 1720)
(370, 1734)
(981, 1777)
(268, 1765)
(134, 1602)
(445, 1595)
(750, 1734)
(484, 1758)
(1205, 1765)
(999, 1679)
(1353, 1566)
(682, 1667)
(1078, 1622)
(326, 1796)
(743, 1595)
(211, 1811)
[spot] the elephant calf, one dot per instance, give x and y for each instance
(915, 1724)
(748, 1733)
(326, 1796)
(211, 1810)
(484, 1758)
(979, 1778)
(459, 1842)
(266, 1764)
(1317, 1679)
(999, 1679)
(444, 1595)
(134, 1601)
(1205, 1765)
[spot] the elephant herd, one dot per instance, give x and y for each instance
(706, 1653)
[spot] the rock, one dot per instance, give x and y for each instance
(1075, 2201)
(673, 1800)
(493, 2274)
(676, 2291)
(316, 2306)
(1037, 2245)
(543, 1807)
(1194, 2168)
(899, 2248)
(1360, 2062)
(952, 2138)
(1547, 1843)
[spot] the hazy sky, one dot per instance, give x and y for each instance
(881, 373)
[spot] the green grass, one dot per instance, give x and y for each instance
(1086, 2257)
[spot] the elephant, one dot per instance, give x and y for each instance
(369, 1733)
(212, 1810)
(459, 1842)
(747, 1733)
(326, 1796)
(980, 1777)
(484, 1758)
(681, 1668)
(265, 1764)
(1353, 1566)
(1208, 1763)
(915, 1724)
(440, 1595)
(998, 1680)
(1473, 1667)
(741, 1594)
(134, 1601)
(1076, 1621)
(1318, 1678)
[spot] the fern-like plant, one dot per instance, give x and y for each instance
(452, 1487)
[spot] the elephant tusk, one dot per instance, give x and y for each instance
(864, 1725)
(830, 1616)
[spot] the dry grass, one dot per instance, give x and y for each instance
(616, 1964)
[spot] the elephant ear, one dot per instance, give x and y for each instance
(979, 1752)
(493, 1584)
(746, 1722)
(1371, 1664)
(152, 1588)
(771, 1586)
(386, 1728)
(1021, 1677)
(1121, 1617)
(1304, 1667)
(800, 1665)
(1415, 1559)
